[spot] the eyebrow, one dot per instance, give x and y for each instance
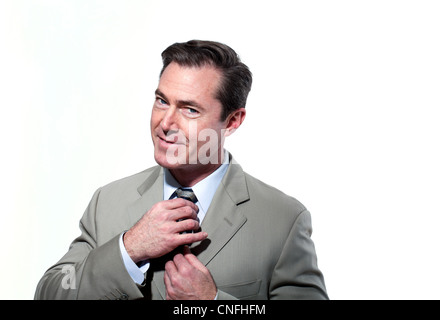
(180, 103)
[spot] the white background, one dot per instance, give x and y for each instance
(343, 115)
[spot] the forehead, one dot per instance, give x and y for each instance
(190, 82)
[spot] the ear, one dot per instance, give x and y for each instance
(234, 120)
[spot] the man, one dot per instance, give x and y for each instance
(195, 226)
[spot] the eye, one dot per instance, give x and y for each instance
(161, 103)
(191, 112)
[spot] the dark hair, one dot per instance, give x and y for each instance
(236, 77)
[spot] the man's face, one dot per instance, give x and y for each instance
(185, 122)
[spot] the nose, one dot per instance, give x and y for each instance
(168, 122)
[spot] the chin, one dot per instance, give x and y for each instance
(163, 161)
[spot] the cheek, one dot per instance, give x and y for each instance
(210, 134)
(154, 120)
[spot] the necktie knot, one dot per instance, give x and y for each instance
(187, 194)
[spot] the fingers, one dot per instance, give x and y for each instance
(187, 225)
(159, 231)
(170, 268)
(178, 203)
(176, 271)
(192, 259)
(183, 213)
(174, 210)
(188, 238)
(179, 210)
(186, 278)
(179, 266)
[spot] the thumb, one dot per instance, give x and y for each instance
(193, 260)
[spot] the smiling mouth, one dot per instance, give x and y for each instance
(171, 141)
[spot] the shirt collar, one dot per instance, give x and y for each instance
(204, 190)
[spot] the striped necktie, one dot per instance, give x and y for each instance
(187, 194)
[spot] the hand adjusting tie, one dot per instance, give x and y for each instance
(187, 194)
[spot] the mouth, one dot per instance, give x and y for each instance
(167, 141)
(171, 140)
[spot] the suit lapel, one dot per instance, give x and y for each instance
(224, 217)
(151, 192)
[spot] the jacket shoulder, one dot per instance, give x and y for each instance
(121, 192)
(130, 182)
(265, 194)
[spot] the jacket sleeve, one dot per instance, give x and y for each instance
(89, 271)
(296, 274)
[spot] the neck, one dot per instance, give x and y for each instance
(192, 174)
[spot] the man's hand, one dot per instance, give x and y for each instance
(186, 278)
(158, 232)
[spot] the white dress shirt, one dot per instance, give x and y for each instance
(204, 191)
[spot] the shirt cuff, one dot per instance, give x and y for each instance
(137, 273)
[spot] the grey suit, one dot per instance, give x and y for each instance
(258, 247)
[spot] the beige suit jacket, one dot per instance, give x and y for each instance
(258, 244)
